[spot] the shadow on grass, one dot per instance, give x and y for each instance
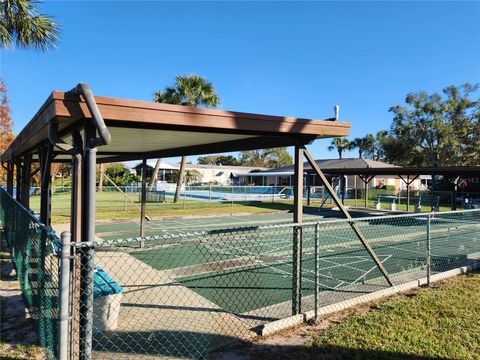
(329, 352)
(198, 345)
(178, 344)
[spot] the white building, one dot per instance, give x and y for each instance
(209, 174)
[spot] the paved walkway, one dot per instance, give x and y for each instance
(160, 317)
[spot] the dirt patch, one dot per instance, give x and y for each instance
(18, 337)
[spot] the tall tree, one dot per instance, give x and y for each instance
(340, 144)
(23, 25)
(6, 124)
(436, 130)
(269, 158)
(189, 90)
(365, 145)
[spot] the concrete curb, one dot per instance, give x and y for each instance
(296, 320)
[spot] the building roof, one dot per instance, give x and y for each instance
(141, 129)
(328, 164)
(355, 166)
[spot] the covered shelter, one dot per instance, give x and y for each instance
(366, 170)
(85, 130)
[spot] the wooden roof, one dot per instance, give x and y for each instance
(147, 129)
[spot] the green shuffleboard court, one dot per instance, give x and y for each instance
(249, 268)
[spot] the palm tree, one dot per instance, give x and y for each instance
(22, 24)
(365, 145)
(340, 144)
(189, 90)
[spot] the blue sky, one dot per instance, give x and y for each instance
(280, 58)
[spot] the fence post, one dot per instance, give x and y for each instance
(297, 270)
(429, 254)
(232, 195)
(64, 296)
(86, 301)
(316, 271)
(210, 194)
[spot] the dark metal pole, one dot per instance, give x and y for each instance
(88, 235)
(366, 181)
(433, 193)
(10, 178)
(297, 231)
(345, 212)
(308, 189)
(26, 171)
(317, 272)
(76, 237)
(454, 193)
(408, 192)
(18, 181)
(64, 297)
(143, 198)
(45, 183)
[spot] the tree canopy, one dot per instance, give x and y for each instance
(436, 129)
(340, 144)
(189, 90)
(271, 158)
(6, 124)
(365, 145)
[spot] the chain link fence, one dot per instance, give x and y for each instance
(189, 294)
(186, 295)
(33, 249)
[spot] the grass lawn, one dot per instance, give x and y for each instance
(442, 322)
(113, 205)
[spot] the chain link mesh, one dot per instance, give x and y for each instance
(33, 250)
(189, 294)
(186, 295)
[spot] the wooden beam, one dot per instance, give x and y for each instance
(346, 214)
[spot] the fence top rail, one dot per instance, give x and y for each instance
(139, 239)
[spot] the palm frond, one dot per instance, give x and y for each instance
(23, 25)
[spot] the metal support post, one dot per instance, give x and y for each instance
(408, 192)
(18, 180)
(317, 272)
(25, 178)
(352, 223)
(45, 183)
(88, 235)
(432, 205)
(308, 189)
(366, 181)
(429, 254)
(297, 232)
(10, 178)
(64, 296)
(355, 185)
(143, 199)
